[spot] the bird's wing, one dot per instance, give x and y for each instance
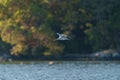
(58, 34)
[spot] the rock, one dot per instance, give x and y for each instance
(107, 54)
(51, 62)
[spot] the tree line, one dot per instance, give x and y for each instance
(29, 27)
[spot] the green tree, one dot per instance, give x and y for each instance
(105, 31)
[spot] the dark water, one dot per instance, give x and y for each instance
(68, 70)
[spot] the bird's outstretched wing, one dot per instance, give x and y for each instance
(58, 34)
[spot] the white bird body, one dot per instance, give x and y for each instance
(62, 37)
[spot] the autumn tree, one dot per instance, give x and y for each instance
(23, 25)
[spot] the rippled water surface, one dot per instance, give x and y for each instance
(69, 70)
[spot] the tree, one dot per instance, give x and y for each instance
(30, 26)
(105, 31)
(23, 26)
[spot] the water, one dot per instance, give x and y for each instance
(74, 70)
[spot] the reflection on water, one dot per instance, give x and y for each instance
(69, 70)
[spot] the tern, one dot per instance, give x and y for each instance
(62, 37)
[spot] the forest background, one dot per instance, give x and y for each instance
(28, 27)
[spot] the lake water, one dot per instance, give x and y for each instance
(68, 70)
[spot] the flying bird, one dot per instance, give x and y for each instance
(62, 37)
